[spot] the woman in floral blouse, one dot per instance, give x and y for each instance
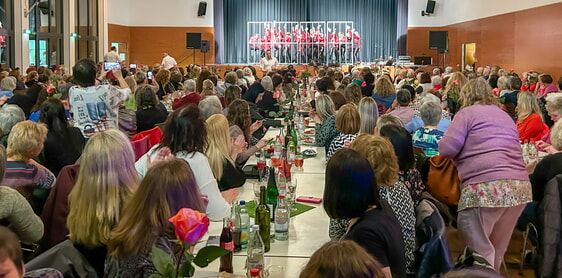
(494, 182)
(325, 119)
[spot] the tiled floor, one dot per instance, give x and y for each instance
(512, 256)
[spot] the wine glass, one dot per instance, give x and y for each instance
(261, 164)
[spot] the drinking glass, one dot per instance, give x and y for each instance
(299, 161)
(256, 187)
(275, 271)
(261, 164)
(292, 193)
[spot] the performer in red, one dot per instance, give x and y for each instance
(255, 43)
(357, 44)
(333, 46)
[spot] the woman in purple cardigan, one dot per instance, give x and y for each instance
(482, 141)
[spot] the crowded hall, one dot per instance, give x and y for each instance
(280, 139)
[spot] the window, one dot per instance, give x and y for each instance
(45, 40)
(6, 33)
(87, 29)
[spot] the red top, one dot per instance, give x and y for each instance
(191, 98)
(532, 128)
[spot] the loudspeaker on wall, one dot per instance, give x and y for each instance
(202, 9)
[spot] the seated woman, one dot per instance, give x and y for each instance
(554, 109)
(428, 136)
(10, 115)
(545, 86)
(351, 192)
(401, 106)
(529, 122)
(106, 181)
(223, 151)
(549, 166)
(36, 109)
(150, 111)
(24, 143)
(167, 187)
(16, 211)
(380, 154)
(348, 123)
(324, 117)
(369, 114)
(64, 143)
(385, 92)
(185, 134)
(403, 148)
(417, 121)
(241, 124)
(265, 100)
(342, 258)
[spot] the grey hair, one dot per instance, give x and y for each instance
(248, 72)
(430, 113)
(267, 83)
(10, 115)
(139, 77)
(428, 97)
(556, 135)
(502, 82)
(368, 114)
(210, 105)
(436, 71)
(190, 85)
(8, 83)
(449, 70)
(436, 80)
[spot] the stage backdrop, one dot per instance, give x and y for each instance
(380, 23)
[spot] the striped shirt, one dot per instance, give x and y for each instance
(21, 173)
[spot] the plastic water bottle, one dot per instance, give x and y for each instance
(244, 219)
(255, 259)
(281, 220)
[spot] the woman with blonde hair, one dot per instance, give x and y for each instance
(325, 118)
(454, 85)
(352, 93)
(25, 142)
(342, 259)
(380, 154)
(208, 88)
(384, 92)
(106, 181)
(348, 123)
(223, 151)
(167, 187)
(530, 124)
(369, 114)
(494, 182)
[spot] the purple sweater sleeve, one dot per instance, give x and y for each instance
(454, 139)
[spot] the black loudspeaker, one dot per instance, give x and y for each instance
(439, 40)
(430, 8)
(193, 40)
(205, 47)
(202, 9)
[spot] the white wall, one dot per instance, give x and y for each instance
(166, 13)
(449, 12)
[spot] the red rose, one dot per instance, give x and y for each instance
(276, 94)
(293, 79)
(190, 225)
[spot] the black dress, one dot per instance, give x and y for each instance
(232, 176)
(380, 234)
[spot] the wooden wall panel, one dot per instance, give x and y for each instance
(146, 44)
(522, 41)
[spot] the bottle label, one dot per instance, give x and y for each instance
(255, 264)
(270, 206)
(244, 237)
(228, 245)
(281, 225)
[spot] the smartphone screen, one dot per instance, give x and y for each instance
(133, 66)
(149, 75)
(111, 65)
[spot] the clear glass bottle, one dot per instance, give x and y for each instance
(281, 220)
(244, 224)
(256, 250)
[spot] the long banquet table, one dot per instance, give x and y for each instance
(307, 231)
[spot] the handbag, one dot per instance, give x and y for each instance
(443, 180)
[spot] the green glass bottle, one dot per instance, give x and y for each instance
(294, 134)
(272, 193)
(263, 219)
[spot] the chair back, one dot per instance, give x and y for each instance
(154, 136)
(140, 147)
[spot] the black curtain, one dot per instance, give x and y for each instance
(376, 21)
